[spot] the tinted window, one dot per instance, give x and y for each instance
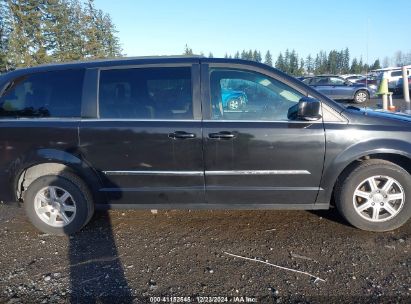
(46, 94)
(243, 95)
(146, 93)
(396, 73)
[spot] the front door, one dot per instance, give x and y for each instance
(147, 142)
(321, 84)
(339, 89)
(254, 154)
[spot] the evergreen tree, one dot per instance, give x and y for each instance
(257, 56)
(317, 64)
(210, 55)
(268, 59)
(354, 66)
(100, 33)
(332, 62)
(360, 67)
(376, 65)
(287, 61)
(280, 63)
(187, 50)
(237, 55)
(4, 35)
(301, 69)
(250, 55)
(346, 61)
(57, 30)
(65, 31)
(27, 42)
(309, 63)
(293, 63)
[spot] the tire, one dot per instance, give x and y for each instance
(234, 104)
(361, 96)
(54, 216)
(354, 192)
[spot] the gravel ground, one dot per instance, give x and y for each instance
(130, 256)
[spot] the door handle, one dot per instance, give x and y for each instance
(221, 135)
(181, 135)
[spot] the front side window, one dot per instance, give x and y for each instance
(244, 95)
(146, 93)
(44, 94)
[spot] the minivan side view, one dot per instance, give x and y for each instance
(193, 132)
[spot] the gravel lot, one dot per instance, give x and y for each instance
(130, 256)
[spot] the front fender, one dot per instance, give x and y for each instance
(335, 164)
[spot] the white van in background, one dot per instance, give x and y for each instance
(393, 74)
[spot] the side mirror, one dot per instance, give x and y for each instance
(306, 109)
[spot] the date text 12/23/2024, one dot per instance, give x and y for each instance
(204, 299)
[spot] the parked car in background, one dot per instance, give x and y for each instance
(338, 88)
(392, 75)
(233, 100)
(370, 81)
(399, 87)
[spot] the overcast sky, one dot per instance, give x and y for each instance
(161, 27)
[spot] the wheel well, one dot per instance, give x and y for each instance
(32, 173)
(400, 160)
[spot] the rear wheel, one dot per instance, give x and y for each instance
(58, 204)
(375, 196)
(361, 96)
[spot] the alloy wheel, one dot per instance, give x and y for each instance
(361, 97)
(378, 198)
(55, 206)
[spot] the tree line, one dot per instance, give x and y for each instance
(333, 62)
(36, 32)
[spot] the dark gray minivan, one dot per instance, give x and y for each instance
(157, 133)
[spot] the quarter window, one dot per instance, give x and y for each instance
(146, 93)
(45, 94)
(244, 95)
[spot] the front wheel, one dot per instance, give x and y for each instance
(58, 204)
(361, 96)
(375, 196)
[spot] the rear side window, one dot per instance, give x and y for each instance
(396, 73)
(45, 94)
(146, 93)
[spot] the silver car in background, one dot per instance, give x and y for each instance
(338, 88)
